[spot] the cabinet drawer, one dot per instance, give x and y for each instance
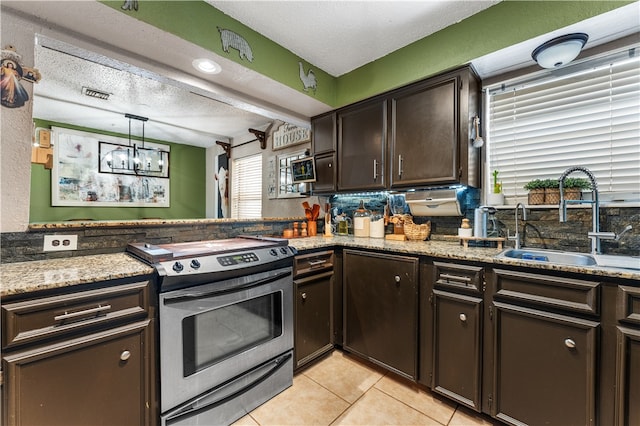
(449, 275)
(51, 317)
(313, 263)
(548, 291)
(628, 304)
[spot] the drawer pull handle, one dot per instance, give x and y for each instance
(125, 355)
(397, 278)
(463, 318)
(304, 296)
(570, 343)
(70, 315)
(314, 263)
(455, 278)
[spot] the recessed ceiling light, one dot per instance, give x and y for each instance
(206, 66)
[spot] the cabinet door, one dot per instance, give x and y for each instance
(361, 146)
(381, 309)
(91, 380)
(325, 174)
(545, 367)
(313, 332)
(424, 135)
(323, 133)
(628, 377)
(457, 347)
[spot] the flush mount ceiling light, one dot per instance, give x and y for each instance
(560, 50)
(206, 66)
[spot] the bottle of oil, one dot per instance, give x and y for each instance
(361, 221)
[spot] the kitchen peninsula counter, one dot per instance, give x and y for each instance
(27, 277)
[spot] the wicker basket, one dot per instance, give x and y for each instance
(536, 196)
(552, 196)
(417, 232)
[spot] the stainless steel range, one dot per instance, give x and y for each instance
(226, 326)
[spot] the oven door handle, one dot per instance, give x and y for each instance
(191, 295)
(227, 392)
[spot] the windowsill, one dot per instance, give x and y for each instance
(603, 204)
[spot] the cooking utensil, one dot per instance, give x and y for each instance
(478, 141)
(306, 205)
(315, 211)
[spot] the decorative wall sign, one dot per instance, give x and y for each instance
(76, 181)
(308, 80)
(235, 41)
(289, 135)
(130, 5)
(12, 72)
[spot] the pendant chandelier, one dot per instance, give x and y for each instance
(134, 159)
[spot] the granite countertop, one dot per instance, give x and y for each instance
(25, 277)
(448, 249)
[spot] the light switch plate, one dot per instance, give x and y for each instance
(60, 242)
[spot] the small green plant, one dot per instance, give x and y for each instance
(535, 184)
(551, 183)
(579, 183)
(497, 187)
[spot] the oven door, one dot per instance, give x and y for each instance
(214, 332)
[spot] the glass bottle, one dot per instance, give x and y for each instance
(361, 221)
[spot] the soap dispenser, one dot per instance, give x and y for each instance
(361, 221)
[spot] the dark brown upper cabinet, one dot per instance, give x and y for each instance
(416, 136)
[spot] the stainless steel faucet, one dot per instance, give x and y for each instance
(595, 235)
(516, 237)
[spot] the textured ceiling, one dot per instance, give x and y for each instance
(340, 36)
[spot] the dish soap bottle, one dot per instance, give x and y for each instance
(361, 221)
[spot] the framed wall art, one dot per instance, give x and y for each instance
(76, 179)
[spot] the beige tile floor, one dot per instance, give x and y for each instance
(344, 390)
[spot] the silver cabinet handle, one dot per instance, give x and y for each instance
(570, 343)
(455, 278)
(463, 318)
(313, 263)
(400, 165)
(375, 169)
(304, 296)
(397, 278)
(125, 355)
(69, 315)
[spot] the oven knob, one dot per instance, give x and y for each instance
(283, 250)
(195, 264)
(178, 267)
(273, 252)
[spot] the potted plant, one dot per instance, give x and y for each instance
(573, 187)
(536, 191)
(495, 198)
(551, 191)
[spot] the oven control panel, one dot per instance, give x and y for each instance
(223, 262)
(236, 259)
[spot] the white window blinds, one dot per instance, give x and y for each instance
(589, 116)
(246, 187)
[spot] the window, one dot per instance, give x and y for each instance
(246, 187)
(286, 187)
(585, 114)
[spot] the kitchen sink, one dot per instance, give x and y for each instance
(550, 256)
(570, 258)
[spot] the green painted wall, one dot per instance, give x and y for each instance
(187, 189)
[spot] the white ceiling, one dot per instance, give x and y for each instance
(188, 107)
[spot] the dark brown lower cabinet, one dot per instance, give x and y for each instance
(628, 377)
(97, 379)
(545, 367)
(313, 334)
(457, 347)
(381, 309)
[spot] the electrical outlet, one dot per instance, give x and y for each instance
(60, 242)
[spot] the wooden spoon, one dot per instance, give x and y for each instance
(315, 211)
